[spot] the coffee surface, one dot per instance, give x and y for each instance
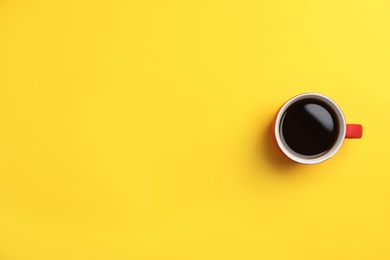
(309, 127)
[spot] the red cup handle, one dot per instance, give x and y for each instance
(354, 131)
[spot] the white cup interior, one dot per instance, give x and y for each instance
(302, 158)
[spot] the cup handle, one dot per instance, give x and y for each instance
(354, 131)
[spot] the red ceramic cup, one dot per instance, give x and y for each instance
(344, 130)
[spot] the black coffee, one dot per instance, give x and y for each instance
(309, 127)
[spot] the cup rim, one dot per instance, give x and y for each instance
(299, 158)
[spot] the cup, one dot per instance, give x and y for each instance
(310, 128)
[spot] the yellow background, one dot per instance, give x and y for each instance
(140, 129)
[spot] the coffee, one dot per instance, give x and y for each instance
(309, 127)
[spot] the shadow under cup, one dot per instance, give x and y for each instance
(310, 128)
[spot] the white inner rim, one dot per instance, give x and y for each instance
(340, 138)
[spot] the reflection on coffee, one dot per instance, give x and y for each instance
(309, 127)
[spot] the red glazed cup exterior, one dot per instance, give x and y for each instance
(345, 130)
